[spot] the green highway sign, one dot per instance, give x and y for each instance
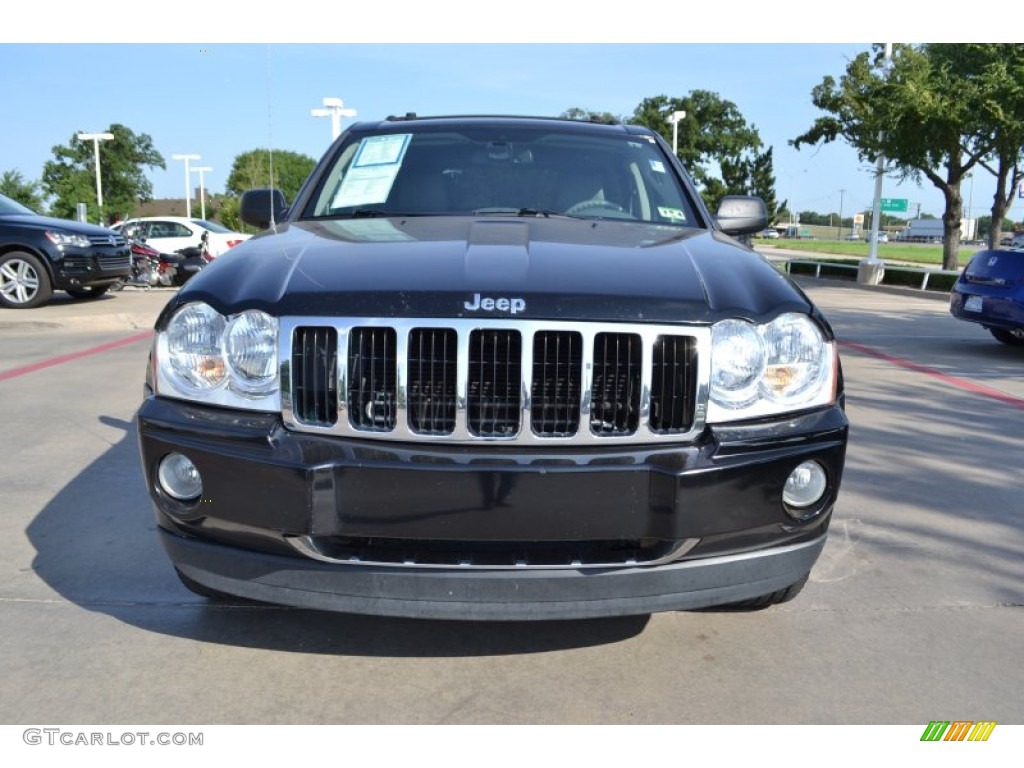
(894, 205)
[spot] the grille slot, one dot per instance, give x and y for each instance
(406, 553)
(615, 404)
(433, 380)
(315, 376)
(371, 378)
(111, 240)
(495, 382)
(520, 382)
(673, 382)
(555, 394)
(108, 261)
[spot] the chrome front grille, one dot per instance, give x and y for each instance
(519, 382)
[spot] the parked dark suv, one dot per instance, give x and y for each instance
(39, 255)
(494, 368)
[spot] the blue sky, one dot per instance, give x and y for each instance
(221, 99)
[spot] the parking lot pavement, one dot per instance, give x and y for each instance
(913, 330)
(128, 309)
(914, 612)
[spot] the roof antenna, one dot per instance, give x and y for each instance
(270, 136)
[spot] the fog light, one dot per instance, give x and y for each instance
(179, 478)
(805, 486)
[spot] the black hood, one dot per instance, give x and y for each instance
(48, 222)
(544, 268)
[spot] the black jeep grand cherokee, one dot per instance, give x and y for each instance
(494, 368)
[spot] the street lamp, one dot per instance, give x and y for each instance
(96, 138)
(678, 115)
(873, 273)
(201, 169)
(188, 182)
(334, 109)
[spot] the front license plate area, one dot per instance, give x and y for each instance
(972, 304)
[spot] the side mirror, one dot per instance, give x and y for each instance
(260, 207)
(742, 215)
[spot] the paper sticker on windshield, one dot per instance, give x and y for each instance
(657, 166)
(372, 174)
(672, 213)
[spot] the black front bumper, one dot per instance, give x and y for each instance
(406, 508)
(94, 267)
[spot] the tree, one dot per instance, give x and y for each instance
(998, 139)
(762, 184)
(70, 178)
(16, 187)
(986, 232)
(260, 168)
(918, 113)
(578, 113)
(715, 143)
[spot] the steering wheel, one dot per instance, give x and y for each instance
(596, 202)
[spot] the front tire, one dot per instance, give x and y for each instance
(24, 281)
(91, 292)
(1014, 338)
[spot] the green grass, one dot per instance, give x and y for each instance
(909, 252)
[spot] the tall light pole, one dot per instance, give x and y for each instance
(96, 138)
(873, 273)
(678, 115)
(188, 182)
(334, 109)
(201, 169)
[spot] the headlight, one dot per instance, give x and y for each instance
(251, 347)
(67, 238)
(761, 370)
(798, 359)
(738, 363)
(207, 357)
(195, 350)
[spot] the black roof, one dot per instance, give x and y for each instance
(403, 122)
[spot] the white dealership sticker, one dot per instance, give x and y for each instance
(657, 166)
(672, 213)
(372, 174)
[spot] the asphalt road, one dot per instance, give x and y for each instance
(914, 613)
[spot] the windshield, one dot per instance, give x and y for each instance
(220, 230)
(10, 207)
(497, 170)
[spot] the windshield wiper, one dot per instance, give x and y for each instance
(542, 212)
(499, 211)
